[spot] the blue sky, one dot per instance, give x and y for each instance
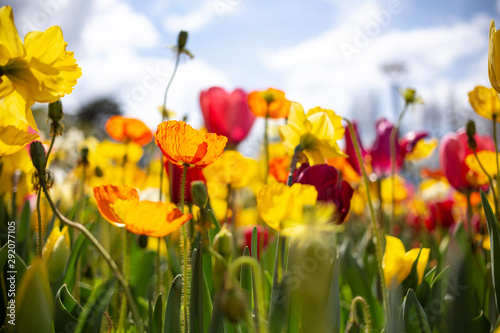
(320, 52)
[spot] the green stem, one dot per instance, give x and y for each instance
(234, 269)
(364, 309)
(266, 146)
(125, 270)
(185, 244)
(158, 267)
(293, 164)
(393, 142)
(112, 265)
(40, 231)
(378, 240)
(496, 156)
(490, 181)
(469, 214)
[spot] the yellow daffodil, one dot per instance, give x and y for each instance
(14, 124)
(397, 263)
(485, 102)
(316, 132)
(494, 57)
(281, 206)
(487, 159)
(41, 70)
(56, 251)
(423, 149)
(231, 169)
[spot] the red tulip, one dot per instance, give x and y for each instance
(193, 174)
(330, 187)
(440, 215)
(381, 150)
(452, 152)
(227, 113)
(350, 150)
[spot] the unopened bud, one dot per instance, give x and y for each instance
(56, 111)
(37, 153)
(84, 156)
(234, 304)
(182, 40)
(199, 193)
(410, 96)
(470, 129)
(223, 243)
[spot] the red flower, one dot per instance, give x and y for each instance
(452, 152)
(330, 187)
(440, 215)
(380, 152)
(193, 174)
(227, 114)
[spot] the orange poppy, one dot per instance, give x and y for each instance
(269, 103)
(120, 205)
(278, 168)
(181, 144)
(128, 129)
(154, 219)
(113, 202)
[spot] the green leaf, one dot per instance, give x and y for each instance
(66, 311)
(280, 302)
(255, 243)
(495, 247)
(213, 220)
(196, 301)
(413, 315)
(70, 271)
(34, 300)
(333, 305)
(246, 285)
(173, 309)
(90, 320)
(155, 320)
(206, 258)
(23, 231)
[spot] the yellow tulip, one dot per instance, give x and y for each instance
(493, 60)
(317, 132)
(282, 207)
(485, 102)
(397, 263)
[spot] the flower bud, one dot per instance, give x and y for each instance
(470, 129)
(56, 111)
(199, 193)
(182, 40)
(234, 304)
(223, 243)
(37, 153)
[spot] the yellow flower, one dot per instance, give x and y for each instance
(485, 102)
(487, 159)
(493, 60)
(397, 263)
(9, 164)
(14, 124)
(317, 133)
(41, 70)
(400, 192)
(282, 207)
(231, 169)
(56, 251)
(423, 149)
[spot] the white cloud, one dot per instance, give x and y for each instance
(328, 70)
(201, 17)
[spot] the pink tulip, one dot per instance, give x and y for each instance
(227, 113)
(452, 153)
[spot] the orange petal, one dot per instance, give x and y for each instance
(154, 219)
(109, 195)
(128, 129)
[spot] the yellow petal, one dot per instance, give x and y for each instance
(487, 159)
(423, 149)
(10, 43)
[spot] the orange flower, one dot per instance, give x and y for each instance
(128, 129)
(278, 168)
(120, 205)
(269, 103)
(181, 144)
(113, 201)
(154, 219)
